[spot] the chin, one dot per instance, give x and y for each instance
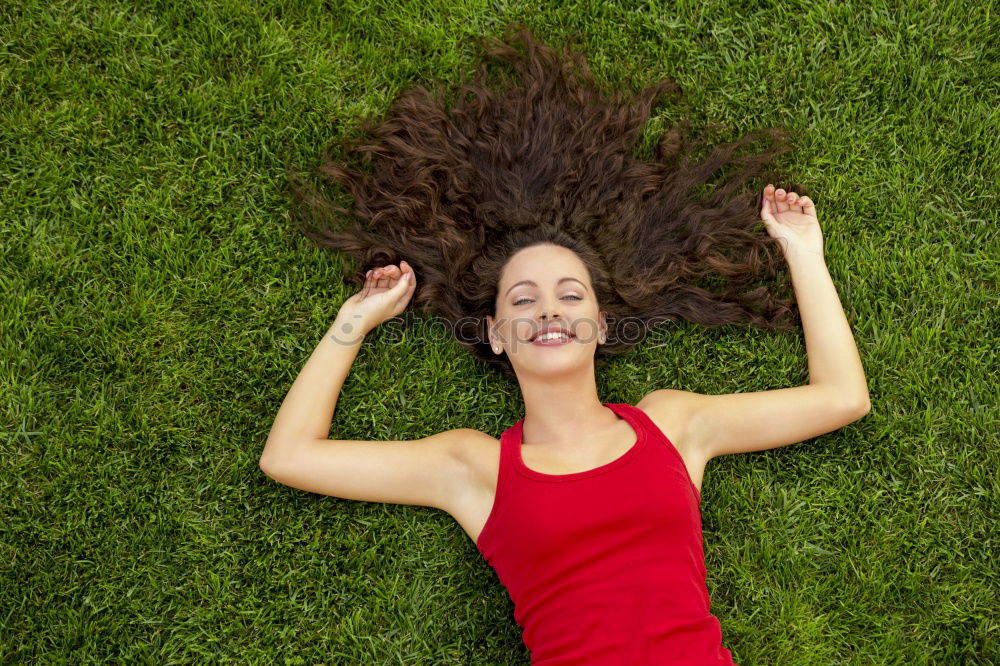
(561, 359)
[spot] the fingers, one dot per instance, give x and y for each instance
(793, 202)
(381, 276)
(799, 204)
(410, 280)
(375, 279)
(766, 207)
(781, 201)
(384, 276)
(369, 283)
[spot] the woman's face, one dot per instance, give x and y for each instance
(541, 287)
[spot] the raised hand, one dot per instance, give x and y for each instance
(386, 293)
(792, 220)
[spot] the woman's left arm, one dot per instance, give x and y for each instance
(837, 392)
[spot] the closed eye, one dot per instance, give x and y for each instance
(523, 300)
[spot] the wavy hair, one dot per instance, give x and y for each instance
(456, 188)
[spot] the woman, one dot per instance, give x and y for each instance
(548, 247)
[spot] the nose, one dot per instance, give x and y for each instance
(545, 315)
(548, 315)
(547, 312)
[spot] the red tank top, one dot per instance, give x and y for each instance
(605, 566)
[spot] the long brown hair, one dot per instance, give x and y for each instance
(455, 188)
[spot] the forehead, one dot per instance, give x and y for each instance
(543, 263)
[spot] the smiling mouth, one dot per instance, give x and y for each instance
(560, 339)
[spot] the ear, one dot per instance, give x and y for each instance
(489, 327)
(603, 326)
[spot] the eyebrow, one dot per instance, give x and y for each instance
(535, 284)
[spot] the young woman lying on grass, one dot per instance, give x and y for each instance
(520, 216)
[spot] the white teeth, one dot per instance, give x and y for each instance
(552, 336)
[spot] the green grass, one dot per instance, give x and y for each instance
(156, 308)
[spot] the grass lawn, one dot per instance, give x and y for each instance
(156, 306)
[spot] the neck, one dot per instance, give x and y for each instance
(559, 413)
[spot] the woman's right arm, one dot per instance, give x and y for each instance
(307, 410)
(426, 472)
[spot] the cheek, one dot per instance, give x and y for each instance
(512, 331)
(521, 332)
(586, 330)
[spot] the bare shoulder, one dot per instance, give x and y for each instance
(473, 495)
(475, 452)
(469, 445)
(671, 410)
